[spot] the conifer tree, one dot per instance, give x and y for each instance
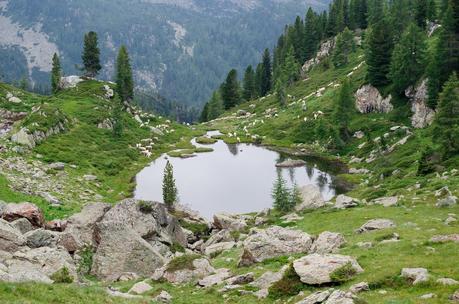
(295, 196)
(379, 46)
(344, 109)
(91, 55)
(446, 131)
(56, 73)
(421, 13)
(249, 84)
(289, 69)
(312, 34)
(266, 74)
(431, 10)
(344, 46)
(118, 124)
(375, 11)
(170, 193)
(298, 39)
(445, 58)
(258, 77)
(281, 195)
(204, 113)
(124, 81)
(215, 107)
(408, 59)
(230, 90)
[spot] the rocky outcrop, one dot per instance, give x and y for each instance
(328, 242)
(369, 100)
(273, 242)
(312, 198)
(215, 279)
(10, 238)
(325, 50)
(388, 201)
(344, 202)
(31, 139)
(415, 275)
(70, 82)
(8, 118)
(26, 210)
(329, 296)
(184, 269)
(423, 116)
(316, 269)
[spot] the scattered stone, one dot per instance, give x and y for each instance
(272, 242)
(163, 297)
(24, 210)
(340, 297)
(219, 237)
(241, 279)
(445, 238)
(359, 134)
(291, 217)
(57, 166)
(90, 178)
(394, 237)
(215, 249)
(447, 281)
(415, 275)
(344, 202)
(140, 288)
(365, 245)
(328, 242)
(312, 198)
(317, 297)
(455, 296)
(316, 269)
(428, 296)
(266, 280)
(215, 279)
(40, 238)
(10, 238)
(199, 269)
(359, 171)
(376, 224)
(128, 276)
(69, 82)
(359, 287)
(291, 163)
(386, 201)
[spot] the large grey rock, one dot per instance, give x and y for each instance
(241, 279)
(272, 242)
(368, 100)
(24, 210)
(200, 268)
(163, 297)
(344, 202)
(229, 221)
(328, 242)
(266, 280)
(312, 198)
(121, 249)
(40, 238)
(316, 269)
(215, 279)
(415, 275)
(376, 224)
(359, 287)
(22, 224)
(219, 237)
(140, 288)
(423, 116)
(23, 137)
(22, 272)
(340, 297)
(70, 82)
(316, 297)
(79, 231)
(215, 249)
(10, 238)
(386, 201)
(325, 49)
(445, 238)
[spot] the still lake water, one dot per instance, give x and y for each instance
(233, 178)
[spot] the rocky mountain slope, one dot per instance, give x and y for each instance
(183, 39)
(392, 239)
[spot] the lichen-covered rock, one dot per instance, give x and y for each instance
(415, 275)
(215, 249)
(386, 201)
(369, 100)
(344, 202)
(229, 221)
(316, 269)
(311, 198)
(40, 238)
(291, 163)
(140, 288)
(324, 50)
(272, 242)
(22, 224)
(69, 82)
(328, 242)
(215, 279)
(191, 270)
(10, 238)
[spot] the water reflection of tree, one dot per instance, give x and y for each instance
(310, 171)
(291, 174)
(322, 181)
(233, 149)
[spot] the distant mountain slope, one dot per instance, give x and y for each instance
(180, 48)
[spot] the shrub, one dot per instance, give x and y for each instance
(85, 264)
(289, 285)
(182, 262)
(343, 273)
(62, 276)
(145, 207)
(176, 247)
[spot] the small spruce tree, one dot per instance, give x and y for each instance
(170, 193)
(91, 55)
(231, 90)
(56, 73)
(117, 117)
(124, 80)
(344, 109)
(266, 74)
(249, 84)
(295, 196)
(345, 45)
(281, 195)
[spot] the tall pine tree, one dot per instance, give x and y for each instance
(266, 74)
(56, 73)
(249, 84)
(124, 80)
(230, 90)
(344, 109)
(345, 45)
(91, 55)
(170, 192)
(408, 59)
(215, 107)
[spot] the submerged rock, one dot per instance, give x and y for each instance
(291, 163)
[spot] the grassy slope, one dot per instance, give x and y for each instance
(417, 219)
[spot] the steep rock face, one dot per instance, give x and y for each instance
(325, 50)
(70, 82)
(368, 100)
(31, 139)
(423, 116)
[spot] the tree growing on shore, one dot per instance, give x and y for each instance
(91, 55)
(170, 192)
(56, 73)
(231, 90)
(124, 81)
